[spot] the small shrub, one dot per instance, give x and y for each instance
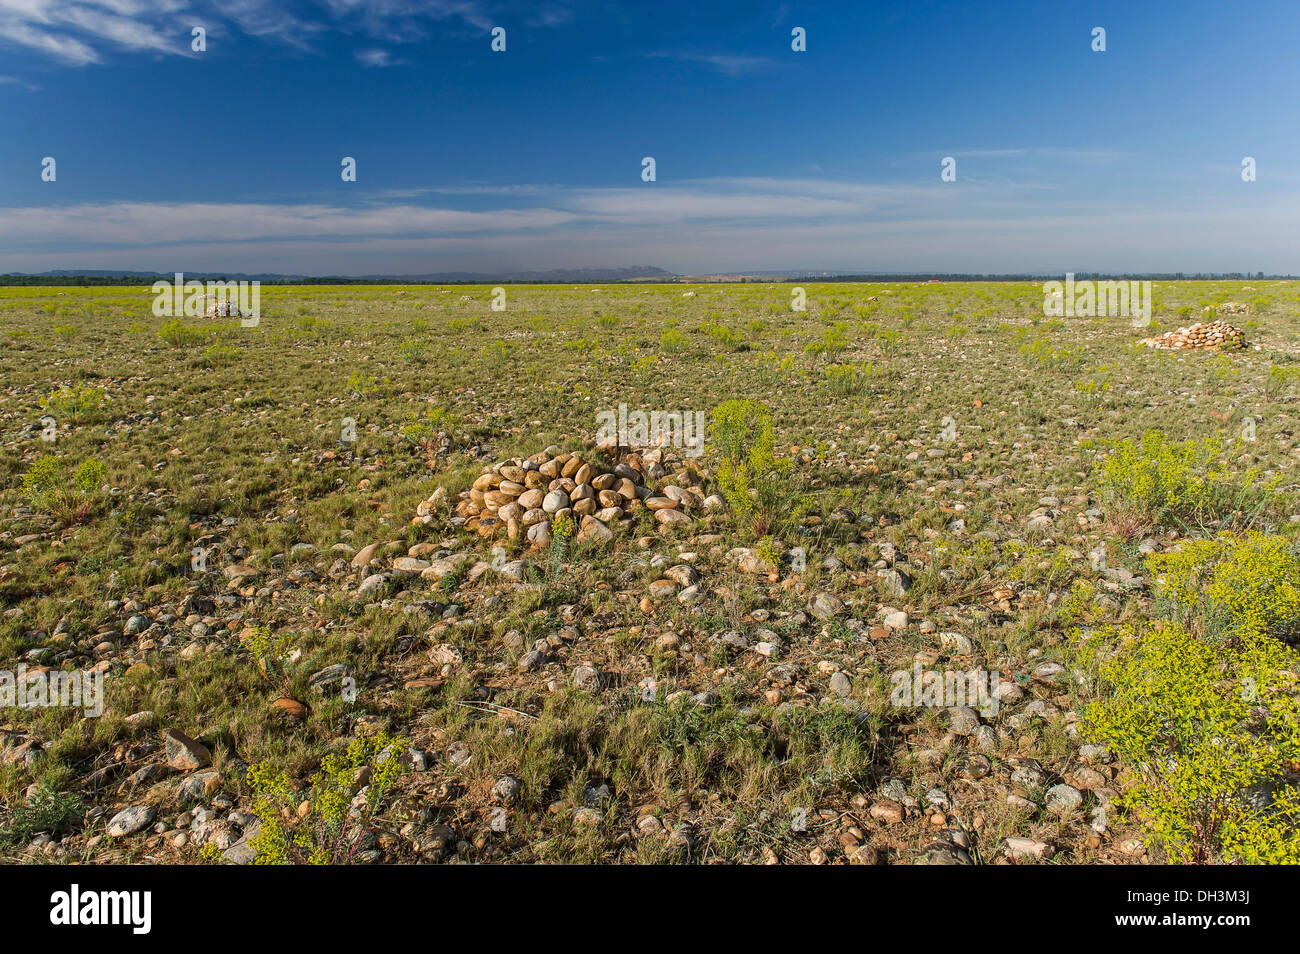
(749, 474)
(180, 334)
(767, 551)
(496, 352)
(68, 495)
(673, 341)
(563, 529)
(586, 344)
(308, 324)
(1220, 372)
(725, 337)
(1158, 482)
(777, 368)
(1207, 730)
(835, 340)
(46, 811)
(848, 379)
(330, 832)
(366, 385)
(1279, 380)
(889, 340)
(75, 404)
(1092, 390)
(1041, 352)
(217, 355)
(270, 655)
(1232, 587)
(424, 433)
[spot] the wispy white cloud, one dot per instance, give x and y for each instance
(169, 223)
(376, 58)
(397, 21)
(82, 32)
(698, 226)
(38, 33)
(6, 80)
(1073, 153)
(728, 64)
(550, 15)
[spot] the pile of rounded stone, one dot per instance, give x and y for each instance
(526, 495)
(223, 308)
(1201, 336)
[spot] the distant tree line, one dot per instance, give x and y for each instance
(1038, 276)
(146, 279)
(94, 280)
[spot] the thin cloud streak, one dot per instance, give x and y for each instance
(85, 33)
(702, 226)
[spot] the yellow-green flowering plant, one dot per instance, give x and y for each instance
(749, 474)
(1232, 586)
(329, 829)
(1209, 732)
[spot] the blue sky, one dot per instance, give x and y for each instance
(766, 158)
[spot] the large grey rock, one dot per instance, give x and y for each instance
(131, 820)
(826, 606)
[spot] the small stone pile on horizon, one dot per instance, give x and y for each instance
(1202, 336)
(223, 308)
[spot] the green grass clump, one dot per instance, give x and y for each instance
(848, 379)
(75, 404)
(834, 341)
(48, 810)
(70, 496)
(1279, 379)
(217, 355)
(889, 340)
(725, 337)
(673, 341)
(180, 334)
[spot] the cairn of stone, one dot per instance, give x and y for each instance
(223, 308)
(527, 495)
(1202, 336)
